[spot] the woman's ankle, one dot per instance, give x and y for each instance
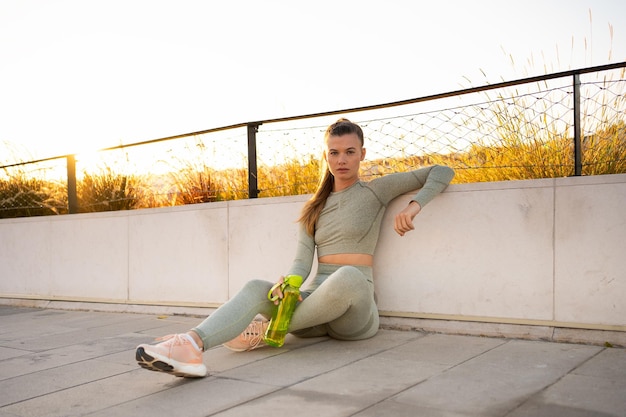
(196, 338)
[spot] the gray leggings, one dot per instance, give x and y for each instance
(338, 303)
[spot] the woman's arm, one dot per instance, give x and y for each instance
(305, 251)
(436, 180)
(430, 181)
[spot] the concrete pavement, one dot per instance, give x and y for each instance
(81, 363)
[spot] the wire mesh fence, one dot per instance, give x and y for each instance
(519, 130)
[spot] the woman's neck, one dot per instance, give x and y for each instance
(342, 185)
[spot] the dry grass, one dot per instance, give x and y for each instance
(108, 191)
(525, 143)
(519, 154)
(24, 196)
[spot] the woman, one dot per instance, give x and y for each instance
(342, 221)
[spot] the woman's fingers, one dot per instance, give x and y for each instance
(278, 292)
(403, 223)
(404, 219)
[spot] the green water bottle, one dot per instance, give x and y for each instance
(279, 324)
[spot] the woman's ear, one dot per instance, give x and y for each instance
(363, 153)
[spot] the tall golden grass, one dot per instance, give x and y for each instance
(514, 157)
(108, 191)
(522, 146)
(25, 196)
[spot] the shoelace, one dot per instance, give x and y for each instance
(254, 334)
(174, 339)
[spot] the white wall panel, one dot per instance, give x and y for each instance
(262, 238)
(539, 251)
(590, 242)
(26, 250)
(89, 256)
(179, 255)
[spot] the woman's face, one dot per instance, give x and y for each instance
(344, 155)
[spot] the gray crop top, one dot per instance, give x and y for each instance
(351, 218)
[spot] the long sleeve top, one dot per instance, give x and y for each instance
(351, 218)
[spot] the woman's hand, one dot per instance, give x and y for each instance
(277, 293)
(404, 219)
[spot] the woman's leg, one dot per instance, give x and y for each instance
(232, 318)
(180, 355)
(342, 306)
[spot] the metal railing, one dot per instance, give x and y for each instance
(569, 125)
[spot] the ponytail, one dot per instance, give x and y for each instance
(312, 209)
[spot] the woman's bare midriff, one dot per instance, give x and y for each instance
(347, 259)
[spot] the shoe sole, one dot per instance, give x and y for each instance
(246, 349)
(235, 349)
(159, 364)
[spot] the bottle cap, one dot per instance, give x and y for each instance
(293, 280)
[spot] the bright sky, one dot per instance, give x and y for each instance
(79, 75)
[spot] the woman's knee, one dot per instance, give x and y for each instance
(355, 329)
(350, 279)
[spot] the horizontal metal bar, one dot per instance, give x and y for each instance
(562, 74)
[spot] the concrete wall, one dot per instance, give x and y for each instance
(541, 253)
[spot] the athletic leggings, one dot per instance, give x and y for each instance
(338, 303)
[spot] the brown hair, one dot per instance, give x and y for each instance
(312, 209)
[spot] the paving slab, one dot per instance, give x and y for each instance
(21, 388)
(32, 362)
(577, 395)
(500, 379)
(596, 388)
(97, 395)
(81, 363)
(190, 398)
(444, 349)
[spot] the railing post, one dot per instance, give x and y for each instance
(578, 159)
(72, 196)
(253, 186)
